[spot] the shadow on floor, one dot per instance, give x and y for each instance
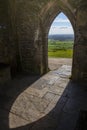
(63, 116)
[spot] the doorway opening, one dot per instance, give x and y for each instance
(60, 43)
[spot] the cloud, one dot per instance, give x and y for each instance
(61, 30)
(56, 26)
(60, 20)
(63, 27)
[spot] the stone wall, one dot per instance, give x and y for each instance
(3, 32)
(80, 48)
(32, 21)
(29, 23)
(7, 42)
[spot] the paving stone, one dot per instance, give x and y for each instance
(52, 80)
(40, 103)
(68, 121)
(25, 108)
(36, 92)
(18, 85)
(52, 104)
(72, 106)
(77, 90)
(47, 104)
(49, 76)
(16, 121)
(62, 83)
(57, 110)
(40, 84)
(49, 96)
(64, 71)
(56, 90)
(46, 123)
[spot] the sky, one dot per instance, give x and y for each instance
(61, 25)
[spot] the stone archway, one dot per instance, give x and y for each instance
(76, 13)
(61, 35)
(46, 20)
(31, 22)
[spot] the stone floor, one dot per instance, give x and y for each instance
(50, 102)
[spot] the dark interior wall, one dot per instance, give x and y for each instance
(3, 32)
(8, 48)
(28, 34)
(80, 48)
(13, 38)
(24, 27)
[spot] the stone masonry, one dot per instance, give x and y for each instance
(24, 27)
(52, 102)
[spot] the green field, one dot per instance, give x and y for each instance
(61, 49)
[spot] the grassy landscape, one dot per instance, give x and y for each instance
(61, 49)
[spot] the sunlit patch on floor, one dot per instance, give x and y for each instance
(40, 98)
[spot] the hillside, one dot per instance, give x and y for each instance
(62, 37)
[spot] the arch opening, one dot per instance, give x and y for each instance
(60, 42)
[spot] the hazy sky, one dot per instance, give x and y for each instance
(61, 25)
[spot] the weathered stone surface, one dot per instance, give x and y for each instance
(37, 101)
(24, 30)
(53, 102)
(16, 121)
(71, 119)
(5, 74)
(37, 108)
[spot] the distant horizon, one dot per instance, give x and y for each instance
(61, 34)
(61, 37)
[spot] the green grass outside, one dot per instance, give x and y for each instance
(61, 54)
(60, 49)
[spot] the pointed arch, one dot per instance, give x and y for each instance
(59, 20)
(47, 16)
(60, 29)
